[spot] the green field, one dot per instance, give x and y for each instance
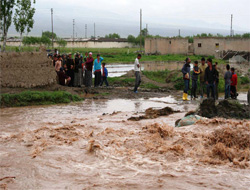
(120, 55)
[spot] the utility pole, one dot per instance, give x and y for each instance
(231, 31)
(94, 30)
(52, 28)
(140, 30)
(179, 33)
(73, 31)
(86, 26)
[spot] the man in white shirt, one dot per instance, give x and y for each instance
(137, 73)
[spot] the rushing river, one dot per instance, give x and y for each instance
(93, 145)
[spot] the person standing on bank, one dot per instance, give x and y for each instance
(88, 72)
(186, 77)
(84, 67)
(196, 72)
(216, 92)
(234, 81)
(104, 75)
(227, 77)
(97, 70)
(76, 76)
(210, 78)
(70, 67)
(137, 73)
(202, 68)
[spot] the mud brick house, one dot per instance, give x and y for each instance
(201, 46)
(166, 46)
(216, 46)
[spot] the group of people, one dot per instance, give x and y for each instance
(209, 79)
(77, 71)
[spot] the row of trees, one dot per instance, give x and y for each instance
(23, 17)
(136, 40)
(45, 39)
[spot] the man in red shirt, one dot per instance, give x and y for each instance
(233, 84)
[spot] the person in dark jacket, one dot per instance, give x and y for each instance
(63, 78)
(196, 72)
(70, 67)
(216, 90)
(104, 75)
(76, 63)
(210, 78)
(186, 77)
(227, 77)
(88, 72)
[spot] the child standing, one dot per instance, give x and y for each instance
(104, 75)
(196, 72)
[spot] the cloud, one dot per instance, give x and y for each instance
(119, 14)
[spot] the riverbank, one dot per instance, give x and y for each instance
(29, 98)
(154, 84)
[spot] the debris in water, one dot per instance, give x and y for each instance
(92, 146)
(151, 113)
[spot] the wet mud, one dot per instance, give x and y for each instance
(225, 109)
(86, 149)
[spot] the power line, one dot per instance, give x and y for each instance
(52, 28)
(86, 27)
(140, 29)
(231, 31)
(94, 31)
(73, 30)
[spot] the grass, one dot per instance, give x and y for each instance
(122, 81)
(28, 98)
(103, 94)
(158, 76)
(244, 80)
(149, 86)
(121, 55)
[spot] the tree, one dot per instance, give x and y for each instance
(31, 40)
(49, 34)
(246, 35)
(61, 42)
(113, 36)
(144, 32)
(23, 18)
(203, 35)
(45, 40)
(6, 18)
(131, 39)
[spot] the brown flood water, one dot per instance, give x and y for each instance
(77, 146)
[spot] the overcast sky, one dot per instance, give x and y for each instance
(164, 17)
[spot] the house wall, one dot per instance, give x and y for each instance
(89, 44)
(166, 45)
(208, 45)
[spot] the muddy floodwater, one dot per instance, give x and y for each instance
(93, 145)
